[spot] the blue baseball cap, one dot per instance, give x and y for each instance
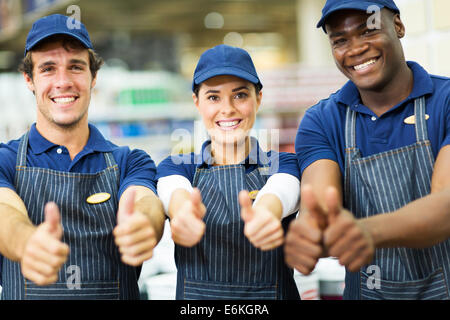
(57, 24)
(225, 60)
(332, 6)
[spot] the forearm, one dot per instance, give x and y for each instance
(319, 176)
(153, 209)
(284, 188)
(422, 223)
(15, 230)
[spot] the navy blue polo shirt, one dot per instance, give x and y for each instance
(321, 134)
(186, 164)
(136, 166)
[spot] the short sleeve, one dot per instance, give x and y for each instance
(312, 143)
(140, 170)
(183, 165)
(288, 164)
(7, 166)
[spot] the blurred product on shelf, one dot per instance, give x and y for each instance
(326, 282)
(295, 87)
(331, 279)
(308, 286)
(161, 287)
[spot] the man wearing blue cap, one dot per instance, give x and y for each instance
(382, 144)
(79, 214)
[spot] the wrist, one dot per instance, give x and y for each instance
(375, 228)
(270, 203)
(24, 232)
(152, 208)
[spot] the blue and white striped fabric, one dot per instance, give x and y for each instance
(93, 269)
(224, 264)
(383, 183)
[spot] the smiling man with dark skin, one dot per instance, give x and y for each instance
(375, 163)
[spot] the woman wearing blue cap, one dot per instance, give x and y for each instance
(227, 248)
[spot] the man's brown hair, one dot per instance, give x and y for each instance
(95, 61)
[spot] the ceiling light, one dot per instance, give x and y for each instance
(233, 39)
(214, 20)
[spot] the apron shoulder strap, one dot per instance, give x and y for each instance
(421, 122)
(110, 162)
(350, 128)
(22, 151)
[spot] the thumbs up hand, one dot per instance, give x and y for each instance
(345, 237)
(262, 228)
(186, 224)
(303, 246)
(44, 253)
(134, 234)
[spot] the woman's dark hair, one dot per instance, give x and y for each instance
(197, 88)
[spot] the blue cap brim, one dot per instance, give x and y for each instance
(85, 43)
(228, 71)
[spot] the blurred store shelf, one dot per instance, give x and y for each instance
(149, 110)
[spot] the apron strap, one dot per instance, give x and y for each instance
(419, 112)
(350, 125)
(110, 162)
(22, 151)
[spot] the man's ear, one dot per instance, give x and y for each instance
(94, 82)
(29, 82)
(399, 26)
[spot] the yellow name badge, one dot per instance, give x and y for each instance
(412, 119)
(253, 194)
(98, 198)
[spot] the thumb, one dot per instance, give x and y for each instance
(196, 200)
(196, 197)
(128, 205)
(247, 212)
(52, 218)
(333, 204)
(313, 207)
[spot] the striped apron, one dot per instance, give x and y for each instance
(383, 183)
(224, 264)
(93, 269)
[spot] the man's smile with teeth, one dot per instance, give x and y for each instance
(365, 64)
(64, 100)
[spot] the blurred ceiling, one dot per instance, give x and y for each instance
(104, 18)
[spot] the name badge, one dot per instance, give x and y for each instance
(98, 198)
(412, 119)
(253, 194)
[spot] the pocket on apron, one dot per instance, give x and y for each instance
(212, 290)
(432, 287)
(94, 290)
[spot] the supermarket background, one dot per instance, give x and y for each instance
(143, 98)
